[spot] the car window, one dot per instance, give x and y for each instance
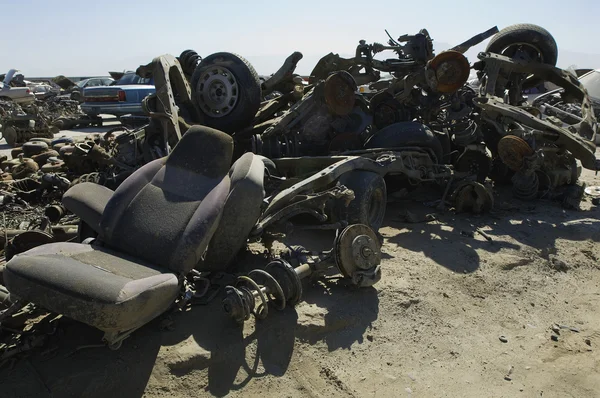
(107, 82)
(132, 78)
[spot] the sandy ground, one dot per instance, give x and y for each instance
(453, 316)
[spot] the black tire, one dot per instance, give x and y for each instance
(370, 198)
(249, 92)
(32, 148)
(76, 96)
(406, 134)
(532, 35)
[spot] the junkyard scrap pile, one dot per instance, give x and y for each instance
(117, 228)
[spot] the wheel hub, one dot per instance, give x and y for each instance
(217, 92)
(513, 150)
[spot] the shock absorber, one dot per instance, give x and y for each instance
(464, 133)
(356, 255)
(525, 184)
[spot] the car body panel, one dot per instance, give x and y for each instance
(97, 100)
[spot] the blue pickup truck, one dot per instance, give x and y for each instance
(124, 97)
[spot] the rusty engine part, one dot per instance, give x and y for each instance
(540, 151)
(20, 124)
(355, 254)
(328, 110)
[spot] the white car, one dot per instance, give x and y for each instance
(20, 95)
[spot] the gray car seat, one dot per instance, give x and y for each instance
(153, 230)
(242, 210)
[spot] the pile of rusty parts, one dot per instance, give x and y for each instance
(42, 119)
(273, 155)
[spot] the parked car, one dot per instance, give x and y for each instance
(77, 90)
(20, 95)
(122, 98)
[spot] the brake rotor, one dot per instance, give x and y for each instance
(340, 89)
(513, 150)
(474, 197)
(451, 70)
(356, 249)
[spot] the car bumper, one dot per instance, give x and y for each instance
(112, 109)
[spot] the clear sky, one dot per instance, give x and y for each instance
(79, 37)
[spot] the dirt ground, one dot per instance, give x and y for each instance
(453, 316)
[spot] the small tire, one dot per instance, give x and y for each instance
(248, 94)
(370, 198)
(32, 148)
(528, 34)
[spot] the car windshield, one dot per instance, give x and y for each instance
(591, 82)
(132, 78)
(81, 83)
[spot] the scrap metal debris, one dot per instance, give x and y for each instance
(327, 151)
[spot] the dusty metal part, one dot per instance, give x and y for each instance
(449, 71)
(339, 93)
(525, 184)
(473, 41)
(496, 69)
(513, 150)
(356, 254)
(312, 204)
(471, 196)
(171, 84)
(282, 80)
(474, 161)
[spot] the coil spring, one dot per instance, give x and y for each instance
(465, 133)
(525, 185)
(275, 147)
(189, 59)
(283, 284)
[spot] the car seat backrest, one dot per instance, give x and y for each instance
(167, 211)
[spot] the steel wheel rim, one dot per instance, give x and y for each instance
(217, 91)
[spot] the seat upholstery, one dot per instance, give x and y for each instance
(242, 210)
(103, 288)
(155, 228)
(88, 201)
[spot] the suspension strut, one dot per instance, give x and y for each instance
(356, 255)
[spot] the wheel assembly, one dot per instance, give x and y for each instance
(356, 255)
(226, 90)
(525, 41)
